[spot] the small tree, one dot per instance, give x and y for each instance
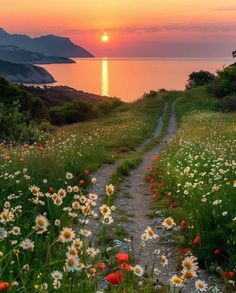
(199, 78)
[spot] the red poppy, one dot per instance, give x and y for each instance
(151, 188)
(122, 257)
(183, 225)
(231, 274)
(81, 182)
(216, 251)
(4, 286)
(115, 278)
(126, 267)
(151, 180)
(155, 158)
(86, 171)
(196, 240)
(51, 190)
(187, 250)
(160, 185)
(102, 266)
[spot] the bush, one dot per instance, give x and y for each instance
(224, 84)
(229, 103)
(199, 78)
(14, 125)
(72, 112)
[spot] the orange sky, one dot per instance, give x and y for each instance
(136, 27)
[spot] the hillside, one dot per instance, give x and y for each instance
(25, 73)
(59, 95)
(50, 45)
(15, 54)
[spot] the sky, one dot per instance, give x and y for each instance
(136, 28)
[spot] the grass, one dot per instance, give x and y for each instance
(197, 173)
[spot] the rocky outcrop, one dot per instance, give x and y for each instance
(24, 73)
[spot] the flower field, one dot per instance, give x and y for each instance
(194, 182)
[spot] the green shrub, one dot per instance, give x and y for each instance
(199, 78)
(14, 125)
(229, 103)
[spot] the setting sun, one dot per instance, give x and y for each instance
(105, 38)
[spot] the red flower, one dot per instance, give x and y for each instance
(126, 267)
(231, 274)
(115, 278)
(4, 286)
(187, 250)
(122, 257)
(86, 171)
(196, 240)
(151, 180)
(151, 188)
(51, 190)
(216, 251)
(228, 275)
(160, 185)
(81, 182)
(102, 266)
(155, 158)
(183, 225)
(21, 159)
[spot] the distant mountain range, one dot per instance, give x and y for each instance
(25, 73)
(50, 45)
(16, 49)
(15, 54)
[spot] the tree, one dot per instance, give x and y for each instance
(199, 78)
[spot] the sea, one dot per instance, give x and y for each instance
(129, 78)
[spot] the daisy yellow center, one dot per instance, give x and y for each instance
(137, 270)
(200, 285)
(67, 234)
(150, 233)
(41, 222)
(168, 222)
(177, 280)
(70, 262)
(188, 265)
(188, 275)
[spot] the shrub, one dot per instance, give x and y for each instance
(199, 78)
(225, 83)
(72, 112)
(14, 125)
(229, 103)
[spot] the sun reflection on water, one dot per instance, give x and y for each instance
(105, 78)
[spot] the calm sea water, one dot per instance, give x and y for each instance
(129, 79)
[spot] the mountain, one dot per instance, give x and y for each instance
(25, 73)
(15, 54)
(49, 45)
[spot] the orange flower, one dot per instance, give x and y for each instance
(4, 286)
(122, 257)
(102, 266)
(115, 278)
(21, 159)
(7, 158)
(125, 266)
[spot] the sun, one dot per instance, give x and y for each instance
(105, 38)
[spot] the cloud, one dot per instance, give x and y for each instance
(202, 28)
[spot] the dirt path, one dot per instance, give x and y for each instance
(136, 206)
(104, 173)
